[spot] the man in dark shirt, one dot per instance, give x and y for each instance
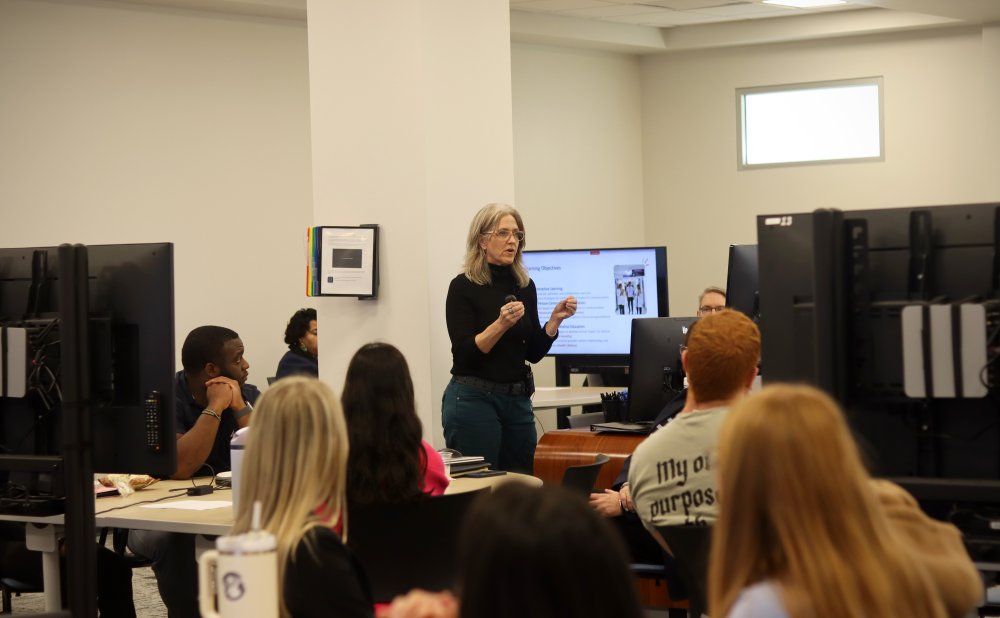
(212, 401)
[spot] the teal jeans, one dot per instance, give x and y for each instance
(498, 426)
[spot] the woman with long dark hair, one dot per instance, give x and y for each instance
(389, 460)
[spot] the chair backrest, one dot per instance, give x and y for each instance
(690, 548)
(409, 545)
(581, 479)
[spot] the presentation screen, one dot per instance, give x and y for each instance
(611, 286)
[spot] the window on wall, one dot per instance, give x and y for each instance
(810, 123)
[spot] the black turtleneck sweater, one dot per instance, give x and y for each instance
(470, 308)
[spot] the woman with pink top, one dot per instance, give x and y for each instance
(389, 460)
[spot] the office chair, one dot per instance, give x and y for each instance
(409, 545)
(581, 479)
(690, 546)
(11, 587)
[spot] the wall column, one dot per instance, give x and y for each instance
(412, 130)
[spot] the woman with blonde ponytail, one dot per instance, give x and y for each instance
(804, 531)
(295, 465)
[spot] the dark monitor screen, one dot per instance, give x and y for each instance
(741, 282)
(655, 365)
(130, 329)
(612, 286)
(833, 289)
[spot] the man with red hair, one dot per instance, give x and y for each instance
(671, 477)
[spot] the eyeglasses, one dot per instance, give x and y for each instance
(710, 308)
(504, 234)
(683, 348)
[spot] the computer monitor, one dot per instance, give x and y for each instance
(741, 281)
(129, 368)
(835, 292)
(655, 365)
(612, 286)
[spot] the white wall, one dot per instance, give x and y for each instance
(940, 104)
(122, 123)
(412, 131)
(577, 155)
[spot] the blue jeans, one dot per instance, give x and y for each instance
(499, 427)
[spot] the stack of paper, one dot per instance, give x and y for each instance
(458, 465)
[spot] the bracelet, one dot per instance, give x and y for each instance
(208, 412)
(247, 409)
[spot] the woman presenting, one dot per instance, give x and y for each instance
(492, 315)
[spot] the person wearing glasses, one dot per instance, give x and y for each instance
(492, 317)
(303, 346)
(712, 300)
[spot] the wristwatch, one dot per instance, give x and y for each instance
(247, 409)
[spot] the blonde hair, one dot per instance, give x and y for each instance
(476, 268)
(295, 465)
(722, 353)
(797, 507)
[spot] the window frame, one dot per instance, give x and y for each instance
(741, 145)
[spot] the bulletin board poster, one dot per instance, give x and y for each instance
(344, 261)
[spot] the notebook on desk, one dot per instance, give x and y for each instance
(641, 427)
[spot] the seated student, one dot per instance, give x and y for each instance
(389, 460)
(804, 531)
(295, 465)
(672, 476)
(617, 501)
(529, 552)
(211, 401)
(303, 346)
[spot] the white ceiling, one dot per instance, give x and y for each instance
(651, 26)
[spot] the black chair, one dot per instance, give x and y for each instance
(581, 479)
(409, 545)
(690, 547)
(11, 587)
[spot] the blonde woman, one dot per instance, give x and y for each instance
(492, 317)
(295, 465)
(804, 531)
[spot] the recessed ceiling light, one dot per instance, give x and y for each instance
(805, 4)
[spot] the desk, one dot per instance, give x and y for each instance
(42, 533)
(547, 397)
(130, 514)
(571, 447)
(463, 483)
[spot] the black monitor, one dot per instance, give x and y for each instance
(871, 306)
(741, 281)
(129, 366)
(655, 365)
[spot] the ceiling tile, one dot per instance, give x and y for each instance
(615, 10)
(666, 18)
(554, 6)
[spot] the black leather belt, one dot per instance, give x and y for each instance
(511, 388)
